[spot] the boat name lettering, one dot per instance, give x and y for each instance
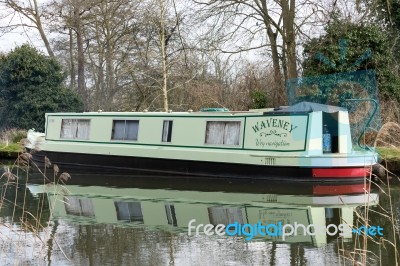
(276, 144)
(274, 122)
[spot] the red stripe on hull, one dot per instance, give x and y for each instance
(340, 172)
(341, 190)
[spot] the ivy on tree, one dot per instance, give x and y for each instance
(359, 37)
(31, 84)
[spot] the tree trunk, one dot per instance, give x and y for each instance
(110, 78)
(278, 88)
(81, 58)
(72, 60)
(289, 36)
(163, 47)
(44, 38)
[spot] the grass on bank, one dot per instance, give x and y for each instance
(9, 140)
(389, 154)
(12, 147)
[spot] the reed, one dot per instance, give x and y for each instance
(27, 234)
(390, 110)
(367, 249)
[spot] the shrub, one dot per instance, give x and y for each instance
(12, 135)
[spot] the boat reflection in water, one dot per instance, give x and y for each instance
(157, 206)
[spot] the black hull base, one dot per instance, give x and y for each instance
(76, 163)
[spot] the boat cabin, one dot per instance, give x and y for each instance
(284, 130)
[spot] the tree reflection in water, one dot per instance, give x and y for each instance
(147, 225)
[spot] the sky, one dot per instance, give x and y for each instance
(18, 36)
(12, 40)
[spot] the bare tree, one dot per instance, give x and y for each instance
(110, 53)
(71, 17)
(165, 22)
(252, 20)
(24, 15)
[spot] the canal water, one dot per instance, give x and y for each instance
(118, 220)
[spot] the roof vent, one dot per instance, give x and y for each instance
(214, 109)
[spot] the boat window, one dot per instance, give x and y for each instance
(129, 211)
(79, 206)
(222, 132)
(171, 215)
(225, 215)
(125, 129)
(167, 131)
(75, 129)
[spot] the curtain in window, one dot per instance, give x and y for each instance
(118, 130)
(75, 129)
(125, 130)
(79, 206)
(83, 130)
(232, 133)
(171, 215)
(225, 215)
(129, 211)
(215, 132)
(223, 132)
(165, 131)
(68, 128)
(132, 128)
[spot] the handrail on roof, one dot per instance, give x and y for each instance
(365, 147)
(214, 109)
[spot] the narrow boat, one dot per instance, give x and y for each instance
(303, 142)
(177, 210)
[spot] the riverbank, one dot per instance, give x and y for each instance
(9, 151)
(390, 159)
(10, 142)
